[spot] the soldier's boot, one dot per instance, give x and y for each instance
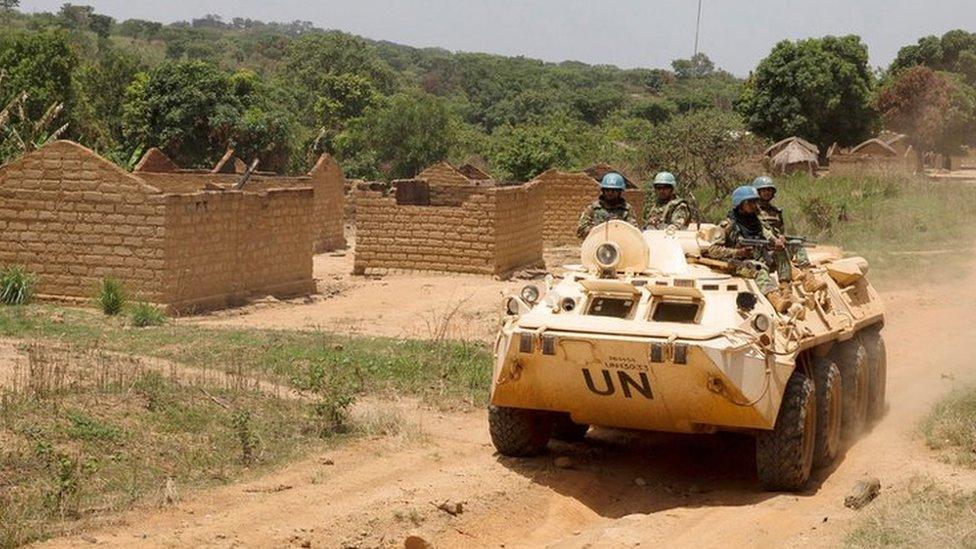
(780, 300)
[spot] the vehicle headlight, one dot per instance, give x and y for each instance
(512, 306)
(530, 294)
(607, 255)
(761, 322)
(568, 304)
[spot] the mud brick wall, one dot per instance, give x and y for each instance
(325, 179)
(565, 196)
(73, 218)
(856, 166)
(443, 174)
(225, 246)
(493, 232)
(518, 226)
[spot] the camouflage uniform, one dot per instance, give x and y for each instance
(600, 212)
(772, 217)
(673, 212)
(725, 248)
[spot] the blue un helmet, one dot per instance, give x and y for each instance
(743, 193)
(664, 178)
(613, 181)
(764, 182)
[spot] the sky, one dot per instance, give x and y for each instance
(736, 34)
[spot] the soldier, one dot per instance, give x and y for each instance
(668, 209)
(772, 216)
(610, 205)
(744, 222)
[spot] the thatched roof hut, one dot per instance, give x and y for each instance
(794, 157)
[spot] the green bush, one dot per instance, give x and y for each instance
(16, 285)
(111, 297)
(145, 314)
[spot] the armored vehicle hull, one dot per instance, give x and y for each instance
(646, 334)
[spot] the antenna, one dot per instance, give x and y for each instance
(697, 26)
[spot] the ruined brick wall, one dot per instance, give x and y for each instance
(325, 179)
(518, 226)
(452, 195)
(565, 196)
(493, 232)
(74, 218)
(851, 165)
(224, 246)
(443, 174)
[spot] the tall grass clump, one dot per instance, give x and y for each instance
(146, 314)
(951, 427)
(16, 285)
(111, 297)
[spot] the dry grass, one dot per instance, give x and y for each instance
(925, 516)
(950, 428)
(84, 434)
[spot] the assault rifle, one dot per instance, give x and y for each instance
(765, 244)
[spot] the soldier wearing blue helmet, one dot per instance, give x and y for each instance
(772, 216)
(610, 205)
(667, 209)
(743, 222)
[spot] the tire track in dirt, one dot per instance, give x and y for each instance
(697, 491)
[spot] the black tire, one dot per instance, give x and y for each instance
(830, 410)
(852, 359)
(784, 456)
(567, 430)
(877, 356)
(516, 432)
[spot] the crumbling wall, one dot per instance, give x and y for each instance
(224, 246)
(493, 232)
(518, 226)
(853, 165)
(73, 218)
(443, 174)
(566, 195)
(325, 179)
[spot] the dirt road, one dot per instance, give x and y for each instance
(693, 492)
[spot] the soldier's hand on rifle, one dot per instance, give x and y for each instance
(779, 242)
(743, 252)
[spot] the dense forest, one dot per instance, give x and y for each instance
(284, 92)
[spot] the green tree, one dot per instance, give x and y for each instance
(954, 52)
(819, 89)
(705, 150)
(521, 153)
(194, 111)
(934, 111)
(402, 136)
(9, 4)
(41, 64)
(696, 66)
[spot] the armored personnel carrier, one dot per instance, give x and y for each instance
(647, 334)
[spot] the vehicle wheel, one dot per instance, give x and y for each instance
(851, 358)
(877, 357)
(517, 432)
(827, 379)
(565, 429)
(784, 456)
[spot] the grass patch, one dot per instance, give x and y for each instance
(88, 429)
(145, 314)
(308, 361)
(111, 297)
(887, 220)
(927, 516)
(16, 285)
(88, 434)
(951, 427)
